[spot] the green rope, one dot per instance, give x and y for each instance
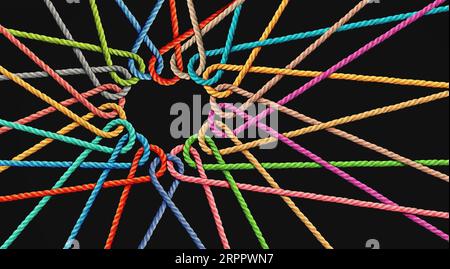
(142, 68)
(87, 47)
(105, 48)
(232, 183)
(311, 165)
(62, 180)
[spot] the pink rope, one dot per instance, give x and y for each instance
(209, 196)
(57, 77)
(347, 177)
(66, 103)
(342, 63)
(303, 195)
(256, 120)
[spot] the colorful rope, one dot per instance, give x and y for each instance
(113, 117)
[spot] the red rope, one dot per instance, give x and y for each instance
(176, 43)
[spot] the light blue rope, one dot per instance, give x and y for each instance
(43, 202)
(158, 216)
(99, 186)
(143, 37)
(278, 40)
(167, 202)
(226, 51)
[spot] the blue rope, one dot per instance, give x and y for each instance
(226, 51)
(143, 37)
(158, 216)
(167, 202)
(294, 37)
(43, 202)
(99, 186)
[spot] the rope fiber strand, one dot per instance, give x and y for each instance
(219, 173)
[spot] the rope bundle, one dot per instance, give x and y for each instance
(147, 67)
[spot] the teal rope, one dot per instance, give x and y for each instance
(226, 51)
(99, 185)
(71, 140)
(288, 38)
(43, 202)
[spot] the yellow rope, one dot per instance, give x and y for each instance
(338, 76)
(336, 122)
(67, 129)
(60, 107)
(252, 159)
(243, 72)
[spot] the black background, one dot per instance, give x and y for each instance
(420, 51)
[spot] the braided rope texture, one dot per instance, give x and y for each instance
(248, 167)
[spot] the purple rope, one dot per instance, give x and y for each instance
(347, 177)
(342, 63)
(256, 120)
